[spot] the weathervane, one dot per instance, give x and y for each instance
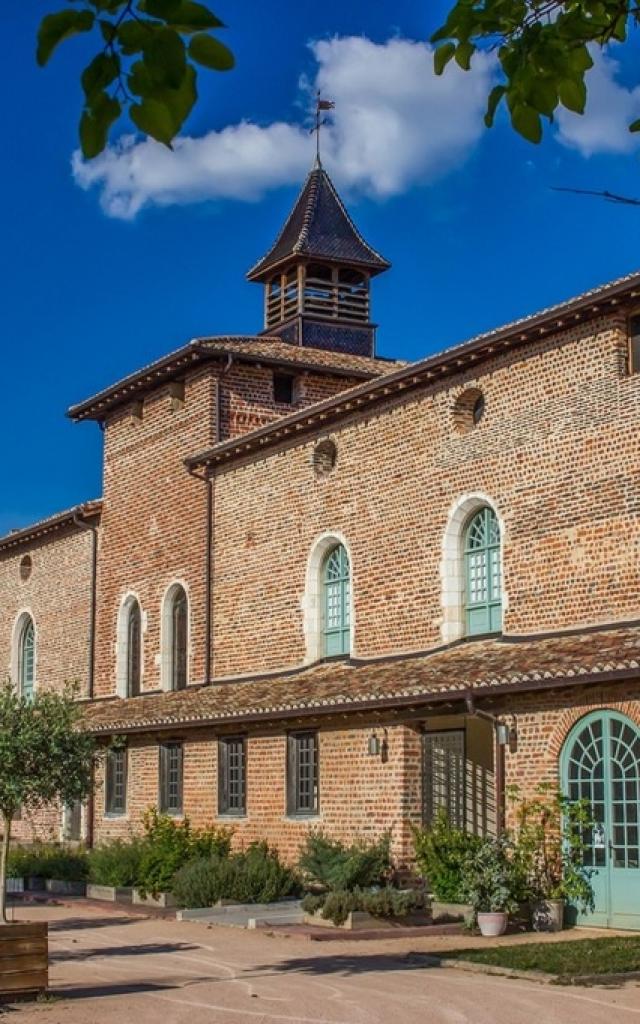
(320, 121)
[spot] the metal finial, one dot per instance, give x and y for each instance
(320, 121)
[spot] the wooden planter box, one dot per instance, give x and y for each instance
(24, 958)
(163, 900)
(58, 887)
(110, 893)
(360, 920)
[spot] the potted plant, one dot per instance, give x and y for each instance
(46, 759)
(489, 883)
(550, 843)
(441, 850)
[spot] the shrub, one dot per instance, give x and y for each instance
(336, 867)
(48, 860)
(491, 876)
(116, 863)
(253, 876)
(385, 902)
(441, 852)
(169, 844)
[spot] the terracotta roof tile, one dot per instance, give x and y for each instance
(86, 510)
(479, 667)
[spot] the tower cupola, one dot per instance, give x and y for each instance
(317, 274)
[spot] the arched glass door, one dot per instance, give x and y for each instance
(601, 763)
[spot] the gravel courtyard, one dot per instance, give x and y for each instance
(107, 967)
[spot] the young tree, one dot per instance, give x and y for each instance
(45, 757)
(145, 64)
(543, 49)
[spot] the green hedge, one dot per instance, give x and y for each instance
(385, 902)
(254, 876)
(48, 860)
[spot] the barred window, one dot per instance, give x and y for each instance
(232, 756)
(170, 796)
(116, 782)
(444, 776)
(302, 773)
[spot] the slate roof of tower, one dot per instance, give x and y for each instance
(319, 226)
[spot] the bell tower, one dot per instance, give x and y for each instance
(317, 274)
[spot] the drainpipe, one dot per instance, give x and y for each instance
(92, 613)
(499, 745)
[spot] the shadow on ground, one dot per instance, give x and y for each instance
(117, 988)
(144, 949)
(79, 923)
(348, 965)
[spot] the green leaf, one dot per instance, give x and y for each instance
(95, 123)
(210, 52)
(54, 28)
(192, 17)
(442, 56)
(543, 96)
(101, 72)
(132, 35)
(495, 96)
(573, 94)
(463, 55)
(635, 126)
(164, 57)
(154, 119)
(526, 121)
(180, 101)
(140, 81)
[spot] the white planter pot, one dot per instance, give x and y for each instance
(493, 924)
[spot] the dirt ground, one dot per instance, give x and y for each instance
(107, 967)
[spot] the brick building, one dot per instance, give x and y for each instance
(325, 589)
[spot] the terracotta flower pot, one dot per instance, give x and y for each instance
(493, 924)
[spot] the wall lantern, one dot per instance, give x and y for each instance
(513, 737)
(374, 746)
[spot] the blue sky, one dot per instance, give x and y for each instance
(100, 277)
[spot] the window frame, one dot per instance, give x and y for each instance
(633, 344)
(164, 782)
(343, 584)
(134, 617)
(294, 805)
(27, 627)
(491, 605)
(287, 381)
(110, 810)
(225, 807)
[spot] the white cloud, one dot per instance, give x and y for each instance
(395, 124)
(604, 127)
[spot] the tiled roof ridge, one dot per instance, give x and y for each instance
(85, 509)
(456, 358)
(453, 673)
(374, 252)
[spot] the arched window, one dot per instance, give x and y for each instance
(175, 638)
(336, 578)
(26, 658)
(482, 573)
(134, 642)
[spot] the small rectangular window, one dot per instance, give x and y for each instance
(170, 796)
(283, 388)
(634, 344)
(232, 756)
(302, 773)
(443, 765)
(116, 782)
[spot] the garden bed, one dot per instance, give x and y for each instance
(360, 920)
(109, 893)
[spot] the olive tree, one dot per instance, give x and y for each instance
(45, 757)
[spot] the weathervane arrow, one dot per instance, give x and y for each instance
(320, 121)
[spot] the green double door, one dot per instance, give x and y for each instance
(601, 763)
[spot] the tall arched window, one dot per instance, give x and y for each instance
(482, 573)
(134, 653)
(175, 638)
(336, 578)
(26, 658)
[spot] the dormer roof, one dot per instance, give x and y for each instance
(319, 227)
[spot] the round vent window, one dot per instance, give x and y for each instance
(325, 456)
(468, 410)
(26, 565)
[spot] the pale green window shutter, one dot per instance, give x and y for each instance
(337, 602)
(483, 574)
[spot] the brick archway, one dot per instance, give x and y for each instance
(570, 716)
